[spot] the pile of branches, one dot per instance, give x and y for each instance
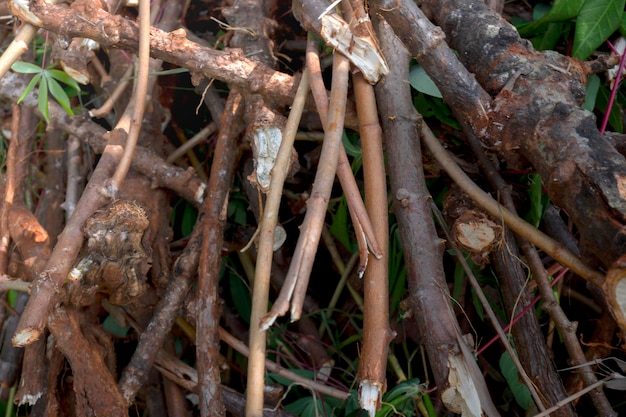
(98, 251)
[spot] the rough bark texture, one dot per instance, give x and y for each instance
(423, 249)
(537, 119)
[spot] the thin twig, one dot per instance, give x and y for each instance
(120, 88)
(213, 224)
(487, 307)
(311, 229)
(198, 138)
(9, 189)
(363, 226)
(518, 225)
(256, 363)
(18, 46)
(139, 97)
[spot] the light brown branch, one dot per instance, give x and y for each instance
(519, 226)
(139, 97)
(256, 363)
(300, 268)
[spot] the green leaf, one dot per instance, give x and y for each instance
(593, 85)
(63, 77)
(520, 391)
(113, 327)
(548, 40)
(352, 149)
(42, 100)
(60, 95)
(563, 10)
(538, 200)
(400, 399)
(597, 20)
(241, 296)
(622, 26)
(31, 85)
(422, 82)
(26, 68)
(615, 118)
(169, 72)
(190, 214)
(310, 407)
(339, 227)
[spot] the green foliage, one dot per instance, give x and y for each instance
(353, 149)
(538, 200)
(420, 81)
(597, 20)
(401, 399)
(310, 407)
(48, 80)
(429, 106)
(615, 117)
(340, 226)
(592, 88)
(240, 293)
(397, 270)
(519, 390)
(113, 327)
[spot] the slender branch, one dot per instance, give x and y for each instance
(256, 363)
(363, 226)
(518, 225)
(213, 224)
(376, 332)
(9, 189)
(139, 97)
(302, 262)
(120, 88)
(490, 313)
(18, 46)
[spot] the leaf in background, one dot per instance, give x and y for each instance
(400, 400)
(113, 327)
(310, 407)
(190, 214)
(538, 200)
(593, 85)
(420, 81)
(597, 20)
(615, 117)
(26, 68)
(397, 270)
(548, 40)
(563, 10)
(60, 95)
(352, 149)
(520, 391)
(42, 100)
(240, 294)
(340, 228)
(31, 85)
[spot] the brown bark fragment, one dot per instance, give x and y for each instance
(96, 391)
(536, 119)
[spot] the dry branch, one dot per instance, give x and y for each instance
(214, 222)
(423, 250)
(535, 116)
(230, 66)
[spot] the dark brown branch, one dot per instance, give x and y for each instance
(230, 65)
(213, 223)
